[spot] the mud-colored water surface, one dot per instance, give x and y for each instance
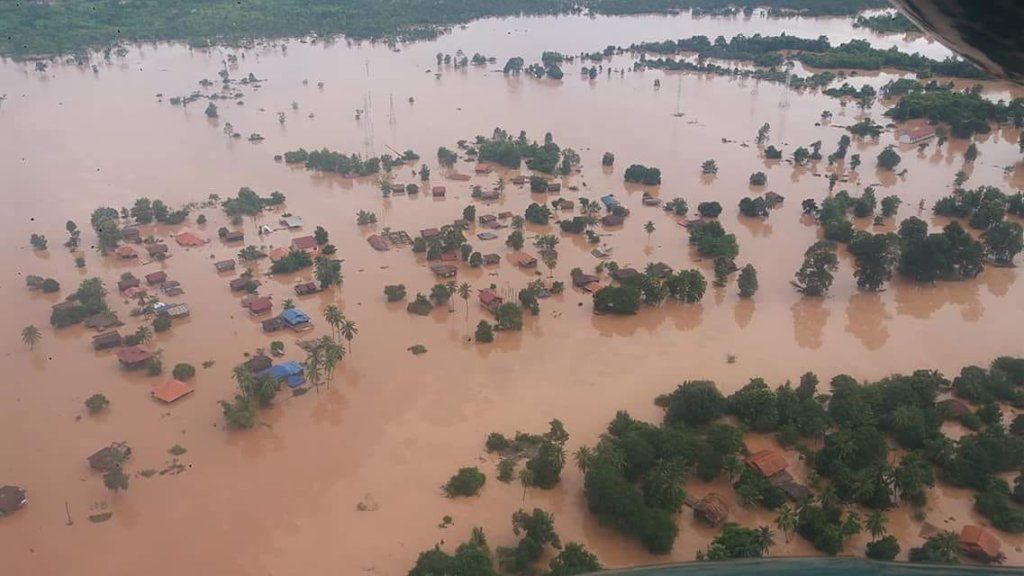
(282, 498)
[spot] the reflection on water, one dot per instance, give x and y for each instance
(394, 424)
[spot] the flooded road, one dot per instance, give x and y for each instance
(282, 499)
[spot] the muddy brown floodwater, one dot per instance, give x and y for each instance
(281, 499)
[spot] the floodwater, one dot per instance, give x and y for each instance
(282, 499)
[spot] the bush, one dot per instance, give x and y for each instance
(394, 292)
(96, 403)
(183, 371)
(50, 286)
(546, 465)
(509, 317)
(695, 403)
(886, 549)
(709, 209)
(484, 332)
(617, 300)
(758, 179)
(154, 367)
(466, 482)
(755, 490)
(162, 324)
(643, 175)
(607, 159)
(241, 413)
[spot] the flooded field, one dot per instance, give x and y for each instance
(282, 498)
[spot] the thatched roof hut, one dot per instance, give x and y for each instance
(712, 508)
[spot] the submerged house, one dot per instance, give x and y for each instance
(917, 135)
(979, 543)
(126, 252)
(158, 251)
(767, 463)
(444, 270)
(127, 281)
(12, 498)
(172, 310)
(490, 300)
(306, 244)
(157, 277)
(234, 236)
(438, 191)
(102, 321)
(190, 239)
(134, 357)
(260, 305)
(291, 373)
(712, 508)
(491, 259)
(428, 233)
(306, 288)
(522, 259)
(291, 222)
(171, 390)
(296, 319)
(258, 363)
(106, 340)
(609, 201)
(624, 274)
(272, 325)
(612, 220)
(377, 243)
(224, 265)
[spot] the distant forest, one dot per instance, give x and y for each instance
(30, 29)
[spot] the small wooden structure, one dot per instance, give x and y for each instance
(491, 259)
(438, 191)
(278, 253)
(661, 270)
(581, 280)
(273, 324)
(234, 236)
(241, 283)
(712, 508)
(917, 135)
(102, 321)
(172, 390)
(190, 239)
(483, 169)
(131, 234)
(622, 274)
(378, 243)
(106, 340)
(487, 219)
(428, 233)
(224, 265)
(519, 180)
(258, 363)
(127, 281)
(554, 187)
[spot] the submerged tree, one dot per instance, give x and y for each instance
(815, 274)
(31, 336)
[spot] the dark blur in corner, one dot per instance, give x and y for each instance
(989, 33)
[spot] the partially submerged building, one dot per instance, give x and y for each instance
(171, 390)
(134, 357)
(291, 373)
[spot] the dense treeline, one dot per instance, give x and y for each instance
(966, 113)
(767, 51)
(891, 23)
(350, 165)
(46, 28)
(502, 148)
(634, 478)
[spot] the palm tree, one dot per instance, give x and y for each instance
(526, 479)
(550, 258)
(786, 521)
(334, 318)
(314, 365)
(876, 524)
(584, 456)
(828, 498)
(332, 354)
(852, 526)
(465, 291)
(649, 228)
(452, 288)
(145, 334)
(765, 539)
(348, 330)
(31, 336)
(288, 304)
(948, 544)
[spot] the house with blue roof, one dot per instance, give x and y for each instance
(296, 319)
(609, 201)
(291, 373)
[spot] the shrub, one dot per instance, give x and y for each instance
(154, 367)
(183, 371)
(96, 403)
(50, 286)
(162, 324)
(758, 179)
(643, 174)
(394, 292)
(484, 332)
(466, 482)
(607, 159)
(886, 549)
